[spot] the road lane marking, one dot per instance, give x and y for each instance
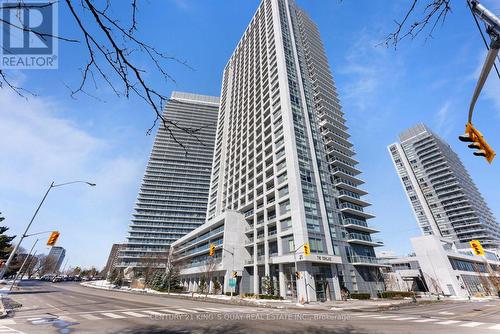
(367, 315)
(112, 315)
(7, 322)
(446, 313)
(90, 317)
(426, 320)
(188, 311)
(407, 318)
(57, 308)
(495, 327)
(135, 314)
(385, 317)
(172, 311)
(472, 324)
(448, 322)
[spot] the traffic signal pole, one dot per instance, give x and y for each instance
(492, 22)
(3, 270)
(24, 235)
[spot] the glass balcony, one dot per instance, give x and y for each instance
(360, 260)
(363, 239)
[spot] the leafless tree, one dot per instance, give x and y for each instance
(113, 50)
(485, 282)
(421, 16)
(208, 272)
(46, 265)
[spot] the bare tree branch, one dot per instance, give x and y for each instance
(434, 12)
(111, 49)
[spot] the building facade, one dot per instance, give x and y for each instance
(173, 196)
(283, 160)
(402, 273)
(58, 254)
(444, 199)
(452, 269)
(113, 259)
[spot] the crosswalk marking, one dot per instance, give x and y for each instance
(495, 327)
(217, 309)
(112, 315)
(8, 330)
(172, 311)
(7, 322)
(448, 322)
(135, 314)
(188, 311)
(472, 324)
(426, 320)
(90, 317)
(205, 310)
(153, 312)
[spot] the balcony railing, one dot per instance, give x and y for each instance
(363, 259)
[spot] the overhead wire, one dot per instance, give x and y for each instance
(482, 35)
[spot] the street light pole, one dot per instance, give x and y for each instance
(22, 266)
(3, 270)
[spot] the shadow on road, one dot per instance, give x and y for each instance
(237, 329)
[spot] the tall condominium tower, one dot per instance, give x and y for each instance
(284, 160)
(443, 196)
(57, 254)
(173, 196)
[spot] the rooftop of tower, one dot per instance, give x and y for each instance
(190, 97)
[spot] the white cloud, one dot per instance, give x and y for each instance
(39, 145)
(443, 120)
(491, 89)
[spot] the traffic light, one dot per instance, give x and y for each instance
(297, 274)
(307, 249)
(477, 248)
(53, 238)
(476, 140)
(234, 274)
(211, 250)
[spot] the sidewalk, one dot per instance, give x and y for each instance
(349, 305)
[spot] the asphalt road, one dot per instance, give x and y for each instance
(72, 308)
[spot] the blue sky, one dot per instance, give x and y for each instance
(383, 91)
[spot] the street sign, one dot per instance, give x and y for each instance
(476, 247)
(232, 282)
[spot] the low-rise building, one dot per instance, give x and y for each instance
(452, 269)
(191, 254)
(402, 273)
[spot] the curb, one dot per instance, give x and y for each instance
(3, 311)
(247, 303)
(187, 297)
